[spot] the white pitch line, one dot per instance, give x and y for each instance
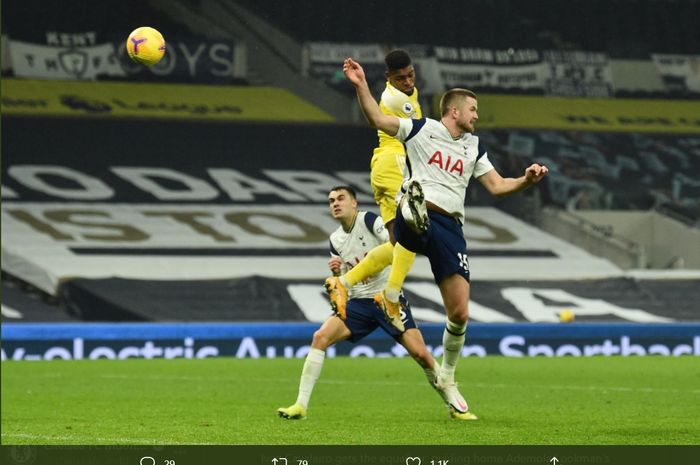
(540, 386)
(396, 383)
(140, 441)
(589, 388)
(237, 379)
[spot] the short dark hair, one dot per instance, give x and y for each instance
(397, 59)
(350, 190)
(449, 98)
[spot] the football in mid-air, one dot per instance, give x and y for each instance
(567, 316)
(145, 45)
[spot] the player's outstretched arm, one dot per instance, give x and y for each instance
(497, 185)
(356, 75)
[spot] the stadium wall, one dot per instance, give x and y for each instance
(66, 341)
(663, 238)
(591, 237)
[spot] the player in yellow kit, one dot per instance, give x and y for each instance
(400, 99)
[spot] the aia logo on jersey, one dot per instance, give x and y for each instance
(446, 163)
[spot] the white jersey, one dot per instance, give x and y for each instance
(367, 233)
(441, 164)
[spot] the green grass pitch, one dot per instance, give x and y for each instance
(563, 401)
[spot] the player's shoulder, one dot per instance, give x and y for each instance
(336, 236)
(365, 217)
(433, 124)
(372, 222)
(428, 127)
(398, 103)
(392, 92)
(474, 141)
(370, 218)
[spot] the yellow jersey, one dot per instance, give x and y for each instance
(396, 103)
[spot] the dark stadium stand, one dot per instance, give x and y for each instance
(617, 29)
(31, 19)
(623, 28)
(607, 170)
(490, 24)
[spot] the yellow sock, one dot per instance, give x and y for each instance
(400, 266)
(376, 260)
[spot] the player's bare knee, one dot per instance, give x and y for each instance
(459, 316)
(320, 340)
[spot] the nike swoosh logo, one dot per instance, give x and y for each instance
(462, 406)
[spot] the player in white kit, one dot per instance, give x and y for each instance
(442, 156)
(359, 233)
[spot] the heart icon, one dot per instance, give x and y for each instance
(412, 460)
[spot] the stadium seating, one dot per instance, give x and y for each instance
(607, 170)
(624, 28)
(31, 19)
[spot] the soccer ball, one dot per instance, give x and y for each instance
(567, 316)
(145, 45)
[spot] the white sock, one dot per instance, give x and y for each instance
(309, 375)
(452, 343)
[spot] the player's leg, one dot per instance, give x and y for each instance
(386, 178)
(333, 330)
(402, 261)
(403, 257)
(413, 342)
(414, 207)
(337, 286)
(455, 297)
(388, 299)
(412, 204)
(410, 338)
(447, 251)
(375, 261)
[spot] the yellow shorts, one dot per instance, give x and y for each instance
(386, 176)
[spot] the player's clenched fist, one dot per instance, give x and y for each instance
(534, 173)
(334, 264)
